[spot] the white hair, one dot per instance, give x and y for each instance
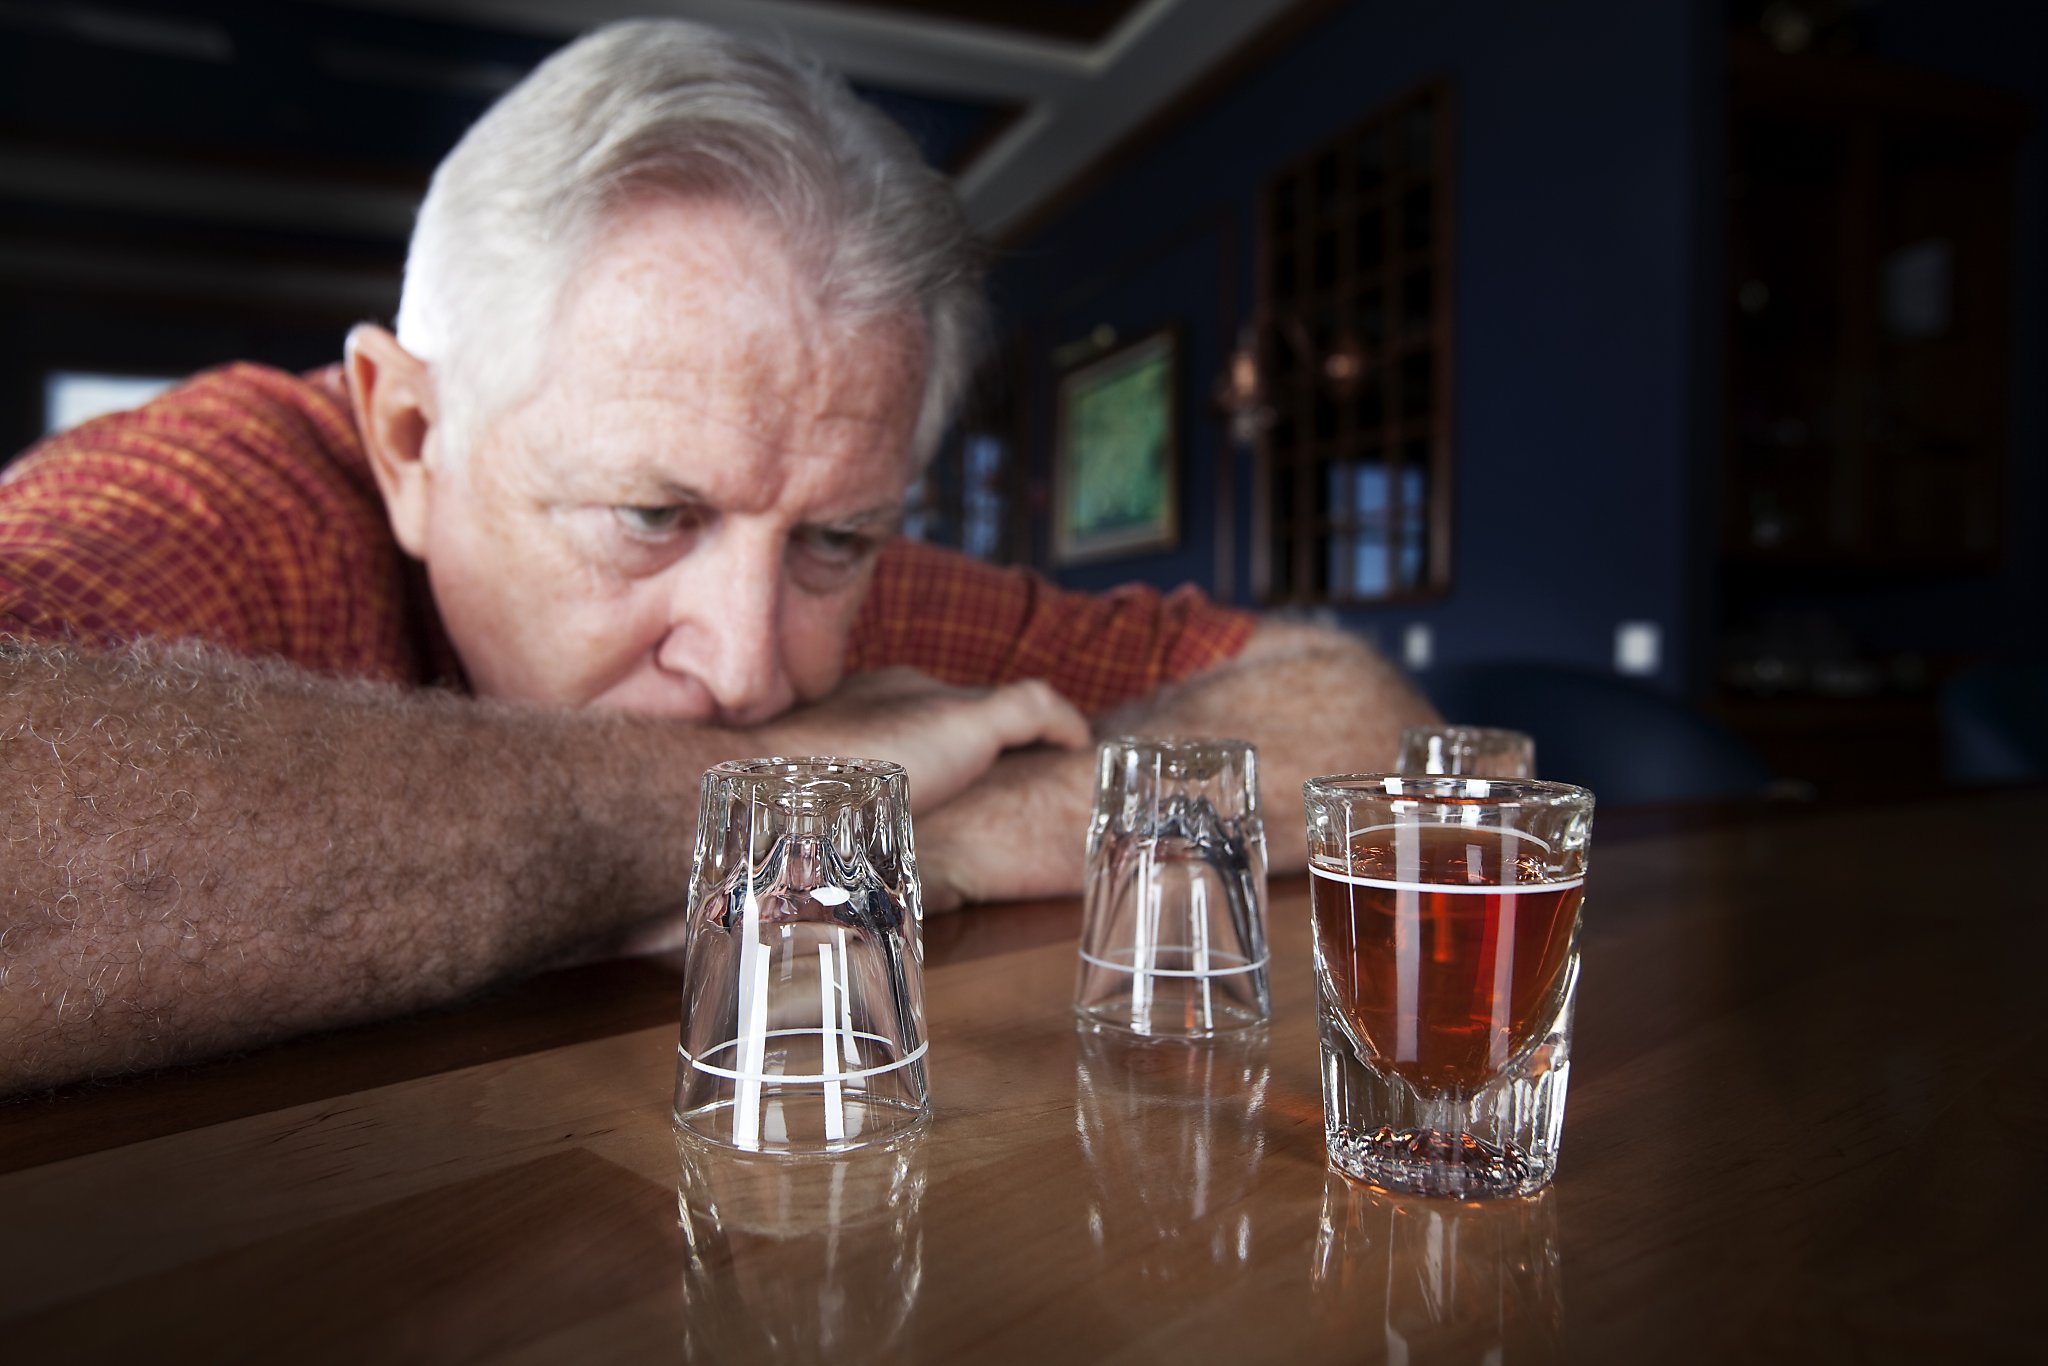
(671, 107)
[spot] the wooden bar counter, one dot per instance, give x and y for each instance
(1805, 1123)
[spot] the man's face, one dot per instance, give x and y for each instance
(682, 517)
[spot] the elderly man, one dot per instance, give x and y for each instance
(681, 321)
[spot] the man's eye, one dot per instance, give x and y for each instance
(650, 521)
(836, 547)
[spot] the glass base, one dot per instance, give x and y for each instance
(1500, 1139)
(801, 1090)
(1171, 1019)
(1178, 992)
(1428, 1162)
(798, 1123)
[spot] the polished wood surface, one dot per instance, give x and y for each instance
(1804, 1125)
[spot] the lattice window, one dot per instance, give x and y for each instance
(1355, 350)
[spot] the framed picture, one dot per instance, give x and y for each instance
(1116, 457)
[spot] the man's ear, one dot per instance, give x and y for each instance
(393, 393)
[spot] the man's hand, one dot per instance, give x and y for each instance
(1020, 832)
(949, 740)
(1312, 700)
(945, 737)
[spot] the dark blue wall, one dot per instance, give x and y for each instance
(1581, 133)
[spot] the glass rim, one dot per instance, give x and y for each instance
(776, 768)
(1449, 729)
(1175, 744)
(1446, 786)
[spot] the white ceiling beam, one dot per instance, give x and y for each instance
(1164, 49)
(909, 52)
(1080, 101)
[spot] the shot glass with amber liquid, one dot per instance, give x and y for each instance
(1446, 914)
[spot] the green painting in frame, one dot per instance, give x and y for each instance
(1116, 487)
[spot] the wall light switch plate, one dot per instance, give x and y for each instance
(1638, 647)
(1418, 645)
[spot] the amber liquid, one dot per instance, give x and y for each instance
(1442, 972)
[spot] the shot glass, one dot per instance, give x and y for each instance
(1173, 933)
(803, 981)
(1446, 914)
(1481, 751)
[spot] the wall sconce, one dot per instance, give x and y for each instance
(1243, 394)
(1343, 366)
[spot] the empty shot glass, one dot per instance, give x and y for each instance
(1173, 933)
(1446, 915)
(1482, 751)
(803, 985)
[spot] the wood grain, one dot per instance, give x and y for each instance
(1806, 1090)
(472, 1267)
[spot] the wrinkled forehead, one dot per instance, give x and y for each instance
(709, 286)
(691, 352)
(701, 247)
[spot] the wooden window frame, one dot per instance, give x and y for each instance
(1310, 274)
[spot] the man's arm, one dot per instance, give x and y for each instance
(198, 852)
(1312, 700)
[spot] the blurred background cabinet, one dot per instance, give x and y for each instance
(1870, 217)
(1870, 222)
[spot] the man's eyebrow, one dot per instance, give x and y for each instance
(609, 484)
(669, 491)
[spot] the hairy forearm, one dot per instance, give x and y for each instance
(198, 853)
(1312, 701)
(1020, 832)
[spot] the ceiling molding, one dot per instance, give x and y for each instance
(1072, 20)
(91, 268)
(1168, 46)
(1081, 101)
(885, 47)
(206, 194)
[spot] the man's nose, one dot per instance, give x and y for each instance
(725, 628)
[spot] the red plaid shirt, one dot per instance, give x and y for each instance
(240, 509)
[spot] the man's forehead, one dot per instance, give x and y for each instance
(732, 373)
(698, 302)
(665, 450)
(667, 259)
(689, 326)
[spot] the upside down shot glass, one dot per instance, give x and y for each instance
(803, 987)
(1482, 751)
(1446, 915)
(1173, 931)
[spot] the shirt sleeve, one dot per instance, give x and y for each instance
(967, 622)
(216, 512)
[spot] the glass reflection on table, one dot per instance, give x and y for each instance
(800, 1259)
(1441, 1280)
(1172, 1133)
